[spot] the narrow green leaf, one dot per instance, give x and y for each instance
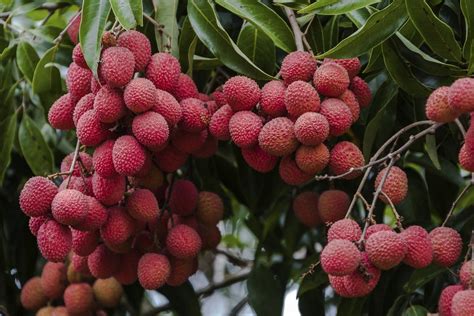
(123, 12)
(8, 52)
(315, 35)
(204, 20)
(46, 77)
(415, 310)
(7, 130)
(379, 26)
(265, 293)
(467, 9)
(432, 150)
(26, 59)
(37, 153)
(264, 19)
(358, 17)
(351, 306)
(186, 38)
(331, 7)
(190, 55)
(437, 34)
(375, 59)
(258, 47)
(204, 63)
(93, 20)
(137, 9)
(311, 282)
(292, 4)
(165, 14)
(422, 276)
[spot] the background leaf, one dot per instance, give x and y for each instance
(7, 130)
(123, 12)
(265, 292)
(258, 47)
(331, 7)
(467, 8)
(165, 14)
(26, 59)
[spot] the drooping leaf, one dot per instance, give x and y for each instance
(7, 130)
(331, 32)
(437, 34)
(183, 299)
(315, 36)
(292, 4)
(165, 14)
(204, 20)
(264, 291)
(422, 276)
(313, 281)
(265, 19)
(351, 306)
(331, 7)
(137, 9)
(415, 310)
(467, 9)
(123, 12)
(47, 79)
(312, 303)
(379, 26)
(93, 19)
(358, 17)
(186, 38)
(26, 59)
(432, 151)
(258, 47)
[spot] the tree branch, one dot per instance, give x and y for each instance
(296, 29)
(453, 206)
(73, 163)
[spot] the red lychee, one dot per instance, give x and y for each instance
(298, 66)
(447, 245)
(241, 93)
(290, 173)
(78, 81)
(273, 98)
(331, 79)
(108, 191)
(69, 207)
(163, 70)
(338, 115)
(183, 242)
(60, 115)
(54, 241)
(333, 205)
(312, 159)
(277, 137)
(119, 226)
(419, 250)
(362, 91)
(301, 97)
(258, 159)
(244, 128)
(344, 156)
(37, 195)
(183, 197)
(139, 45)
(344, 229)
(142, 205)
(153, 270)
(340, 257)
(395, 186)
(438, 108)
(386, 249)
(128, 155)
(168, 107)
(117, 66)
(219, 123)
(305, 207)
(151, 130)
(311, 128)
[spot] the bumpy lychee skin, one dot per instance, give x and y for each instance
(466, 158)
(139, 95)
(312, 159)
(34, 223)
(447, 245)
(139, 45)
(181, 270)
(37, 195)
(305, 207)
(258, 159)
(277, 137)
(465, 273)
(142, 205)
(346, 229)
(103, 263)
(352, 65)
(331, 79)
(395, 186)
(163, 70)
(183, 242)
(170, 159)
(78, 298)
(151, 129)
(463, 303)
(85, 104)
(344, 156)
(78, 56)
(109, 104)
(438, 108)
(107, 292)
(350, 100)
(362, 91)
(372, 229)
(69, 207)
(446, 299)
(127, 272)
(311, 128)
(90, 130)
(118, 227)
(290, 173)
(53, 279)
(84, 242)
(117, 66)
(386, 249)
(461, 95)
(195, 115)
(356, 284)
(32, 295)
(298, 66)
(419, 250)
(84, 160)
(186, 88)
(79, 265)
(244, 127)
(102, 159)
(339, 116)
(54, 241)
(301, 97)
(242, 93)
(168, 106)
(78, 81)
(60, 115)
(272, 101)
(128, 155)
(219, 123)
(337, 283)
(333, 205)
(210, 208)
(183, 197)
(340, 257)
(211, 106)
(153, 270)
(73, 29)
(188, 142)
(82, 184)
(108, 191)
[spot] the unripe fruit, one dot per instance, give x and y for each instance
(466, 158)
(151, 130)
(188, 142)
(78, 298)
(142, 205)
(108, 191)
(272, 101)
(139, 95)
(84, 242)
(258, 159)
(69, 207)
(53, 279)
(60, 115)
(119, 226)
(305, 207)
(210, 208)
(301, 97)
(102, 160)
(219, 123)
(90, 130)
(32, 295)
(437, 106)
(181, 270)
(103, 263)
(362, 91)
(446, 299)
(395, 186)
(461, 95)
(244, 128)
(127, 270)
(163, 70)
(331, 79)
(311, 128)
(183, 242)
(463, 303)
(183, 197)
(37, 195)
(78, 81)
(84, 161)
(312, 159)
(338, 115)
(346, 229)
(333, 205)
(170, 159)
(168, 107)
(117, 66)
(153, 271)
(128, 155)
(372, 229)
(447, 245)
(298, 66)
(344, 156)
(185, 88)
(419, 250)
(340, 257)
(35, 223)
(241, 93)
(350, 100)
(54, 241)
(352, 65)
(466, 273)
(107, 292)
(277, 137)
(358, 284)
(385, 249)
(139, 45)
(290, 173)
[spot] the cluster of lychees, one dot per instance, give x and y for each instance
(293, 117)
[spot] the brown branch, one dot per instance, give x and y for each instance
(453, 206)
(73, 163)
(232, 258)
(296, 29)
(311, 269)
(394, 211)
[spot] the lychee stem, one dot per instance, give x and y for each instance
(296, 29)
(394, 210)
(453, 206)
(73, 163)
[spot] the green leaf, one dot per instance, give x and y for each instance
(27, 59)
(137, 9)
(265, 292)
(331, 32)
(467, 9)
(8, 52)
(379, 26)
(331, 7)
(312, 303)
(204, 63)
(93, 21)
(46, 77)
(313, 281)
(315, 35)
(437, 34)
(123, 12)
(37, 153)
(165, 14)
(422, 276)
(7, 130)
(431, 149)
(264, 19)
(358, 17)
(351, 306)
(292, 4)
(182, 298)
(186, 38)
(204, 20)
(258, 47)
(415, 310)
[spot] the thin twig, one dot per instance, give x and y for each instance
(152, 21)
(453, 206)
(232, 258)
(311, 269)
(73, 163)
(296, 29)
(394, 211)
(58, 39)
(362, 198)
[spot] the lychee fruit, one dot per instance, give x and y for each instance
(188, 142)
(219, 123)
(54, 241)
(210, 236)
(337, 283)
(195, 116)
(163, 70)
(352, 65)
(128, 155)
(69, 207)
(305, 207)
(139, 95)
(142, 205)
(78, 81)
(272, 101)
(107, 292)
(118, 227)
(466, 273)
(311, 128)
(298, 66)
(185, 88)
(102, 159)
(85, 104)
(258, 159)
(170, 159)
(340, 257)
(60, 115)
(210, 208)
(372, 229)
(117, 66)
(461, 95)
(447, 245)
(438, 108)
(183, 197)
(103, 263)
(241, 93)
(82, 184)
(333, 205)
(339, 116)
(109, 104)
(108, 191)
(350, 100)
(362, 91)
(32, 296)
(90, 130)
(312, 159)
(84, 242)
(419, 250)
(395, 186)
(78, 57)
(53, 279)
(386, 249)
(344, 156)
(34, 223)
(290, 173)
(463, 303)
(127, 270)
(277, 137)
(37, 195)
(153, 270)
(152, 181)
(139, 45)
(183, 242)
(360, 284)
(78, 298)
(301, 97)
(181, 270)
(244, 128)
(168, 107)
(83, 161)
(331, 79)
(446, 299)
(466, 158)
(151, 130)
(347, 229)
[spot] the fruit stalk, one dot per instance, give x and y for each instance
(296, 29)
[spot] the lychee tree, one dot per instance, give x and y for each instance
(182, 155)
